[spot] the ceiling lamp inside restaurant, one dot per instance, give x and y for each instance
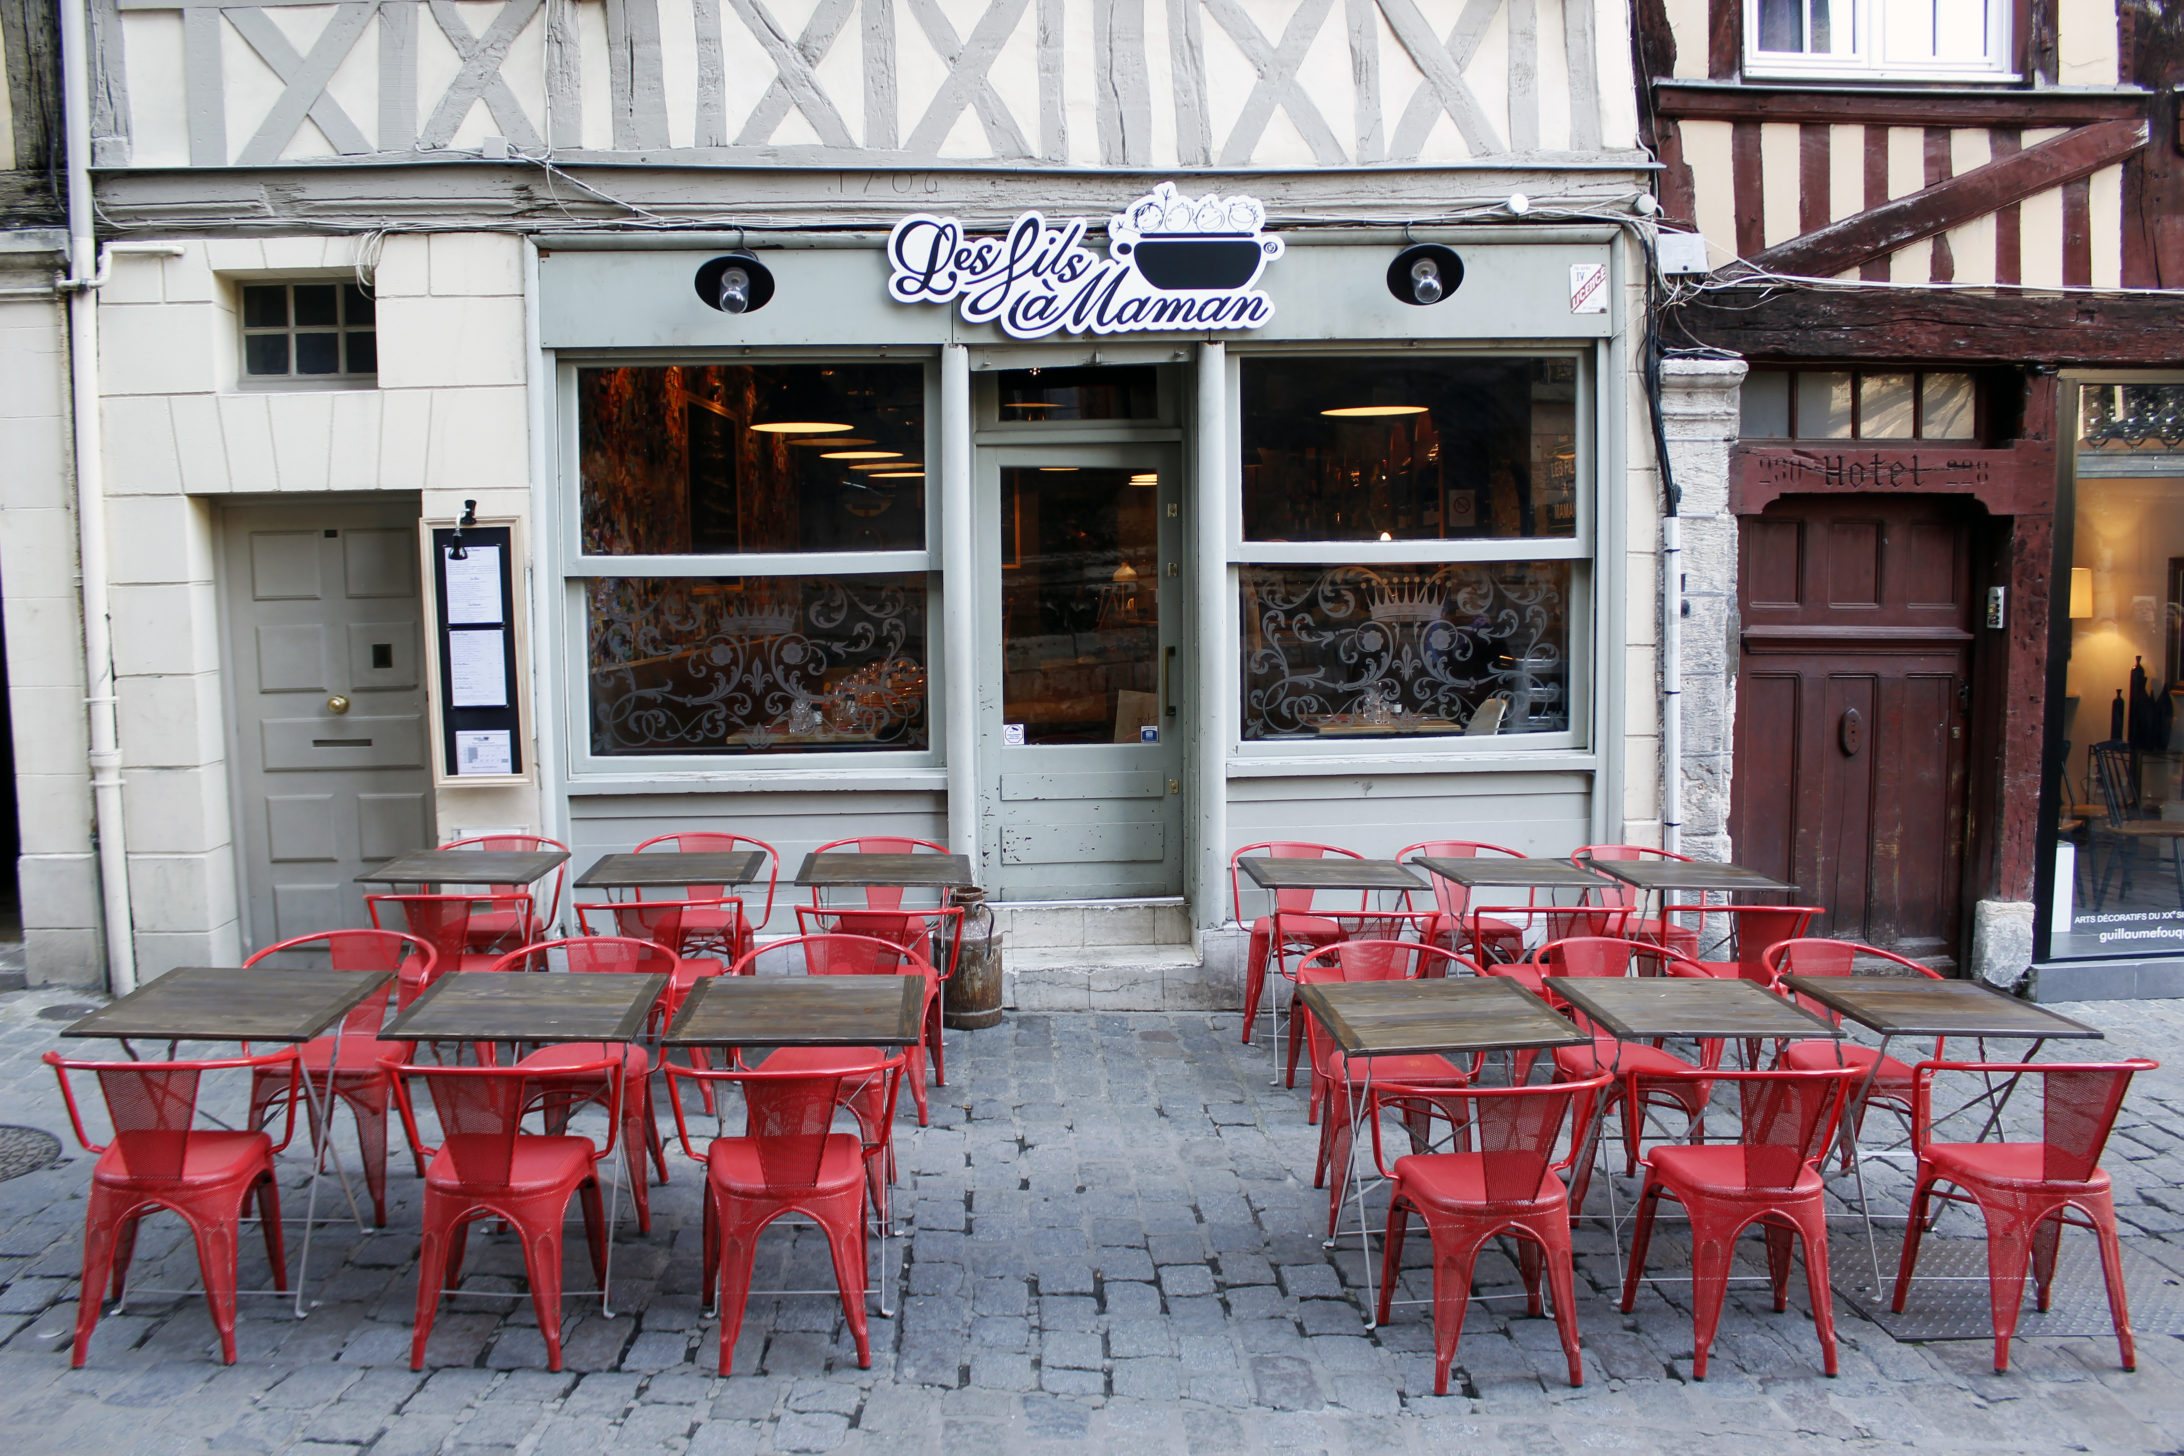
(1373, 411)
(800, 427)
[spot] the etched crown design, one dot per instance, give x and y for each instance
(1402, 599)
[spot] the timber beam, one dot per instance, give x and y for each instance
(1956, 326)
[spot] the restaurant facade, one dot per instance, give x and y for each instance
(1089, 438)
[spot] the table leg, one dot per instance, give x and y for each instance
(1853, 1115)
(1359, 1103)
(325, 1141)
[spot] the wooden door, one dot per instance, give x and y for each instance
(324, 631)
(1853, 700)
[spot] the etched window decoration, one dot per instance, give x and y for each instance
(1405, 651)
(1414, 449)
(721, 459)
(757, 664)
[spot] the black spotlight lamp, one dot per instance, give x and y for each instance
(735, 283)
(1425, 274)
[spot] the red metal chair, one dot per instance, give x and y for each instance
(1451, 926)
(895, 947)
(1644, 1076)
(1768, 1176)
(716, 919)
(157, 1159)
(2026, 1191)
(607, 954)
(443, 922)
(365, 1079)
(487, 1167)
(1679, 938)
(503, 928)
(919, 932)
(1499, 1176)
(1891, 1083)
(1751, 931)
(789, 1160)
(876, 897)
(664, 923)
(1292, 909)
(1335, 1083)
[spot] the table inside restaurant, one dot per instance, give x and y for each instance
(231, 1003)
(1452, 1015)
(673, 869)
(438, 867)
(847, 869)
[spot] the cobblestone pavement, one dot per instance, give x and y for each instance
(1115, 1245)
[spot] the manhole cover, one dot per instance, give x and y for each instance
(66, 1011)
(26, 1150)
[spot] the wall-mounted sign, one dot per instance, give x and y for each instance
(1173, 263)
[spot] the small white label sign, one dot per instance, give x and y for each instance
(1012, 734)
(1588, 288)
(489, 752)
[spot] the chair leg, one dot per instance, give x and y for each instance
(1554, 1243)
(2103, 1213)
(433, 1250)
(1712, 1248)
(1451, 1301)
(933, 1043)
(2009, 1251)
(269, 1224)
(542, 1266)
(1641, 1238)
(1528, 1270)
(843, 1219)
(124, 1251)
(1391, 1253)
(1780, 1237)
(1812, 1230)
(103, 1223)
(216, 1239)
(368, 1103)
(2047, 1238)
(596, 1232)
(1914, 1229)
(738, 1248)
(1255, 956)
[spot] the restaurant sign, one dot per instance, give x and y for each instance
(1173, 263)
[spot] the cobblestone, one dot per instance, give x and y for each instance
(1112, 1244)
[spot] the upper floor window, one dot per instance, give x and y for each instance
(1860, 404)
(1913, 40)
(309, 333)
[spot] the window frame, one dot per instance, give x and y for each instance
(1977, 439)
(293, 381)
(2001, 63)
(1582, 549)
(850, 767)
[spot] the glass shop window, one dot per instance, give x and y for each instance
(1406, 651)
(718, 459)
(1098, 392)
(1859, 404)
(786, 664)
(1417, 449)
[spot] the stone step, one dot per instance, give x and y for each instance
(1157, 977)
(1065, 924)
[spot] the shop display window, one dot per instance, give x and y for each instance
(737, 458)
(757, 664)
(1405, 651)
(1415, 449)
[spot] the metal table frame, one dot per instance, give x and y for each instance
(1500, 872)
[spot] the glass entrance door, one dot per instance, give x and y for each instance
(1081, 671)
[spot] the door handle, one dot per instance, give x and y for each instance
(1167, 683)
(337, 704)
(1851, 732)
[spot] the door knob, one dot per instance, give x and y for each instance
(337, 704)
(1851, 732)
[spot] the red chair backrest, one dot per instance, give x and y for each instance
(592, 954)
(1787, 1120)
(2080, 1103)
(1292, 900)
(842, 955)
(659, 921)
(711, 842)
(411, 959)
(916, 931)
(1592, 955)
(1381, 960)
(1452, 898)
(1757, 930)
(443, 921)
(1816, 956)
(519, 843)
(790, 1119)
(1512, 1130)
(152, 1105)
(879, 897)
(481, 1110)
(1618, 893)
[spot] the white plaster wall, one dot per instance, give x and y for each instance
(447, 420)
(44, 623)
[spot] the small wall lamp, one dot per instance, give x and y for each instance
(2081, 593)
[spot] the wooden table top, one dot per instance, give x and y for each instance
(849, 868)
(546, 1006)
(1445, 1014)
(466, 867)
(228, 1003)
(1915, 1006)
(657, 869)
(1641, 1007)
(801, 1011)
(1670, 874)
(1504, 873)
(1334, 872)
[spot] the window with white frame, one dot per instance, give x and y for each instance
(1414, 546)
(751, 558)
(309, 333)
(1879, 39)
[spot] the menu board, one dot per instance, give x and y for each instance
(477, 696)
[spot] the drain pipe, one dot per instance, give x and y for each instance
(84, 277)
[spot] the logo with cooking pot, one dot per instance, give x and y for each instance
(1173, 263)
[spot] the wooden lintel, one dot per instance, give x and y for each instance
(1957, 326)
(1874, 106)
(1879, 231)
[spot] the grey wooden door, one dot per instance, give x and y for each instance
(322, 606)
(1080, 680)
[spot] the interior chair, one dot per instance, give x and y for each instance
(1768, 1176)
(2123, 825)
(2027, 1191)
(487, 1166)
(158, 1159)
